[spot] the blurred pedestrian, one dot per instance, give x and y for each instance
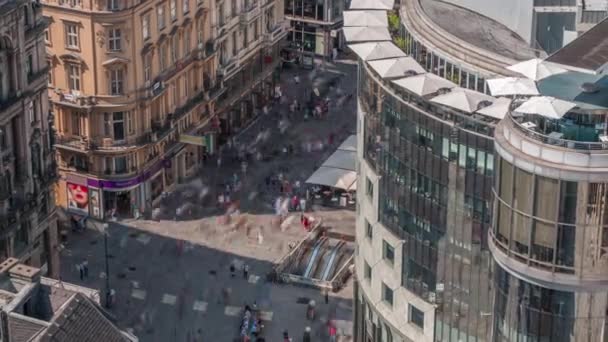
(232, 270)
(85, 269)
(80, 271)
(246, 272)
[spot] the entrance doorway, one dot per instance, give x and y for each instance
(118, 202)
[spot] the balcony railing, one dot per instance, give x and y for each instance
(545, 139)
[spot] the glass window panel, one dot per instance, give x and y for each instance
(566, 245)
(547, 191)
(567, 207)
(506, 183)
(462, 156)
(481, 162)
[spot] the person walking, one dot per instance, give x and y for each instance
(85, 269)
(232, 270)
(80, 271)
(246, 271)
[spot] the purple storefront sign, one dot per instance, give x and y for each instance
(126, 183)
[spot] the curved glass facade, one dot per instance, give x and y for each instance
(436, 168)
(530, 313)
(549, 223)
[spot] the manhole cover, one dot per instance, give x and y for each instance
(132, 268)
(303, 300)
(121, 276)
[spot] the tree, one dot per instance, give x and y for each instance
(393, 21)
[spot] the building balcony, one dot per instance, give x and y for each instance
(249, 14)
(276, 33)
(226, 69)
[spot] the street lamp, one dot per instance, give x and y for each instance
(104, 227)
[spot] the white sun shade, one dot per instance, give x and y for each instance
(350, 144)
(498, 109)
(365, 18)
(546, 106)
(357, 34)
(512, 86)
(342, 159)
(377, 50)
(424, 84)
(372, 4)
(536, 69)
(397, 67)
(335, 178)
(465, 100)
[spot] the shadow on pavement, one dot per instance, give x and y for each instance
(173, 290)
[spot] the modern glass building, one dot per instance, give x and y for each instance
(472, 228)
(549, 236)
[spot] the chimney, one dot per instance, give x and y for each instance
(26, 273)
(7, 265)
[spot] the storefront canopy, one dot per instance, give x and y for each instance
(350, 144)
(376, 51)
(339, 170)
(365, 18)
(397, 67)
(372, 4)
(357, 34)
(342, 159)
(332, 177)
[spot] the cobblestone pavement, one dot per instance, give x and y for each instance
(169, 275)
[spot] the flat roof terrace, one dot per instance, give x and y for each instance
(478, 30)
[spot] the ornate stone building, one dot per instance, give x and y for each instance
(28, 229)
(141, 90)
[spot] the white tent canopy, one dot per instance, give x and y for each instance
(372, 4)
(396, 67)
(498, 109)
(546, 106)
(339, 170)
(377, 50)
(357, 34)
(335, 178)
(365, 18)
(536, 69)
(342, 159)
(350, 144)
(424, 84)
(465, 100)
(512, 86)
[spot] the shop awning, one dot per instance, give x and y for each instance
(207, 140)
(358, 34)
(332, 177)
(372, 4)
(339, 170)
(342, 159)
(365, 18)
(350, 144)
(376, 50)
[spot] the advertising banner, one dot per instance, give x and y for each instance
(78, 197)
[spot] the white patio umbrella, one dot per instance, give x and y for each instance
(376, 50)
(372, 4)
(397, 67)
(498, 109)
(512, 86)
(357, 34)
(365, 18)
(424, 84)
(536, 69)
(465, 100)
(546, 106)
